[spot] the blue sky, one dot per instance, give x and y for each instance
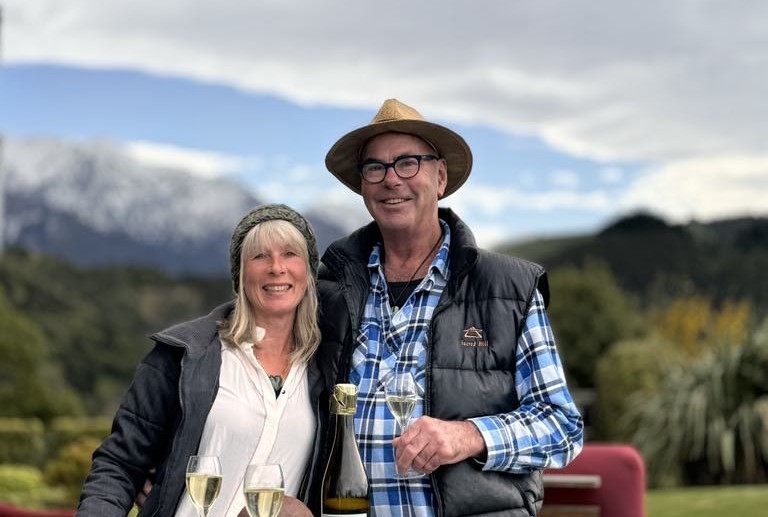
(575, 114)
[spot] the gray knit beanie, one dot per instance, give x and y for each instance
(270, 213)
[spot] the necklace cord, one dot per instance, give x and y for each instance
(395, 303)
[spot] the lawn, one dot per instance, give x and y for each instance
(743, 501)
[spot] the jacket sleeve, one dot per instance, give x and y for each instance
(140, 437)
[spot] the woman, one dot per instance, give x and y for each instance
(236, 383)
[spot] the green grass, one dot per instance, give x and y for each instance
(747, 501)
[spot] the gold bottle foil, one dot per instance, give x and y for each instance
(344, 399)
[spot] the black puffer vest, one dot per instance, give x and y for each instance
(471, 353)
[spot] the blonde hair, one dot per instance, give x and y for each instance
(241, 325)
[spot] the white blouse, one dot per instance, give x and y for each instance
(248, 424)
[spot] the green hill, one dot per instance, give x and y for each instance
(657, 261)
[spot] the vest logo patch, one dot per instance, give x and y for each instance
(473, 337)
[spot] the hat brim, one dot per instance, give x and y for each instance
(343, 158)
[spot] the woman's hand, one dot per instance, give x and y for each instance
(292, 507)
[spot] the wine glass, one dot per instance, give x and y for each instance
(203, 482)
(402, 392)
(264, 490)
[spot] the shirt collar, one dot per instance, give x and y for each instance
(439, 264)
(247, 346)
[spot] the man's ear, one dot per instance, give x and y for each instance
(442, 177)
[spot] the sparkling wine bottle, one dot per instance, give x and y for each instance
(345, 483)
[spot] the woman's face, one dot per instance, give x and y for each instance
(275, 280)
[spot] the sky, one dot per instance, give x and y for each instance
(577, 112)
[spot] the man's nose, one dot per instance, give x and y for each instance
(391, 178)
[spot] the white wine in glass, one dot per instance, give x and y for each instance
(203, 482)
(264, 490)
(402, 393)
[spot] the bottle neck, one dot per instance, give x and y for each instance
(345, 423)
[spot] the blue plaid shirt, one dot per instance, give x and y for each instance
(530, 437)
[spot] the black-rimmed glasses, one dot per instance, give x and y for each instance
(406, 166)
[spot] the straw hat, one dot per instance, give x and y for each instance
(344, 157)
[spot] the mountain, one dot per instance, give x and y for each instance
(93, 204)
(655, 260)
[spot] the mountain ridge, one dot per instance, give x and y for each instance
(656, 260)
(91, 203)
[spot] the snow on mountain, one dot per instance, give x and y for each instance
(92, 203)
(103, 188)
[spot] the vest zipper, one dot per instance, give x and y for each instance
(441, 305)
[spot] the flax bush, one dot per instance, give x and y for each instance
(709, 421)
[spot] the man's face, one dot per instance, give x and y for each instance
(403, 204)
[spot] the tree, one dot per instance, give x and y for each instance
(589, 312)
(29, 383)
(96, 320)
(694, 325)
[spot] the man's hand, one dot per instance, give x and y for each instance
(428, 443)
(292, 507)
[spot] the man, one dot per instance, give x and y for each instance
(412, 292)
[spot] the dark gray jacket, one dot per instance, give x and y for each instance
(486, 291)
(160, 421)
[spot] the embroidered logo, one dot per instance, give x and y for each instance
(473, 337)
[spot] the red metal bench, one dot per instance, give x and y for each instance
(7, 510)
(606, 480)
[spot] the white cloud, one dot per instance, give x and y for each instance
(611, 175)
(206, 164)
(564, 179)
(301, 186)
(703, 189)
(653, 80)
(679, 84)
(489, 235)
(493, 200)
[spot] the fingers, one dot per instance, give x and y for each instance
(293, 507)
(146, 489)
(426, 460)
(415, 450)
(429, 443)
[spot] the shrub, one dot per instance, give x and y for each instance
(22, 485)
(709, 421)
(19, 478)
(21, 441)
(70, 466)
(628, 371)
(64, 430)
